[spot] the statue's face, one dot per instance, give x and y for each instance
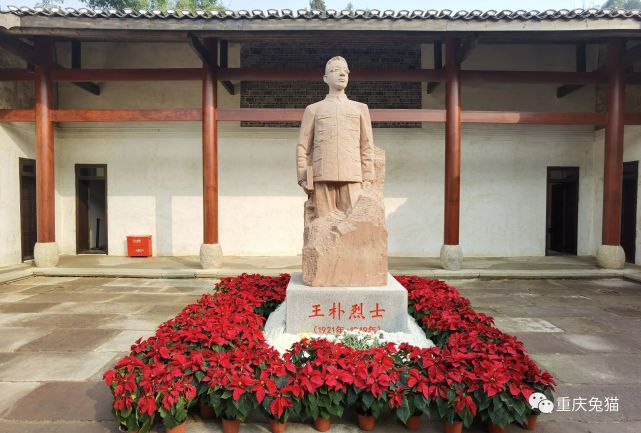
(337, 75)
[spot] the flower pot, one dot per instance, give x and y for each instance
(180, 428)
(206, 411)
(231, 425)
(493, 428)
(531, 422)
(277, 427)
(413, 423)
(366, 422)
(322, 424)
(456, 427)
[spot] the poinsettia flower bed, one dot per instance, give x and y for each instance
(214, 352)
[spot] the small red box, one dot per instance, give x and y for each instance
(139, 246)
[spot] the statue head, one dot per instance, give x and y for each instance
(336, 73)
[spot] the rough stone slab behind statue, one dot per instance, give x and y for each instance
(349, 250)
(330, 310)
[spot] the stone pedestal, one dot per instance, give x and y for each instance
(211, 256)
(332, 310)
(451, 257)
(45, 254)
(611, 256)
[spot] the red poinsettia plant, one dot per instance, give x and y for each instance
(134, 390)
(323, 375)
(214, 350)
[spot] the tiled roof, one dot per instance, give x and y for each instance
(284, 14)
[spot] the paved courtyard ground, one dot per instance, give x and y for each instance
(59, 334)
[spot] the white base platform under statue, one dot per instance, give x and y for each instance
(332, 310)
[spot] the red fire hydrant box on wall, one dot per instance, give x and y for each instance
(139, 246)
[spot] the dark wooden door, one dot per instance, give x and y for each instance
(82, 215)
(91, 209)
(28, 227)
(562, 210)
(629, 209)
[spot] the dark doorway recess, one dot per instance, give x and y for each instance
(27, 172)
(562, 210)
(629, 209)
(91, 209)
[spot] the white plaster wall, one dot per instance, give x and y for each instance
(154, 187)
(16, 141)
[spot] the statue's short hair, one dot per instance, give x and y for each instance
(335, 59)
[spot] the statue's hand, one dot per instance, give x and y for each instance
(303, 185)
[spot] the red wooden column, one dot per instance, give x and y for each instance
(451, 254)
(46, 251)
(210, 252)
(611, 254)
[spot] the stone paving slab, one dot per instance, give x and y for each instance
(524, 324)
(14, 338)
(8, 306)
(11, 392)
(122, 341)
(60, 340)
(108, 308)
(602, 368)
(126, 322)
(58, 427)
(542, 342)
(52, 366)
(83, 401)
(63, 320)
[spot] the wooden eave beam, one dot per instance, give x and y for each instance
(295, 115)
(170, 74)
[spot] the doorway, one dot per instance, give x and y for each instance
(629, 209)
(91, 209)
(28, 227)
(562, 213)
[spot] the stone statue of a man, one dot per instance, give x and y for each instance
(335, 152)
(342, 172)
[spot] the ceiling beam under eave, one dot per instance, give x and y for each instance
(631, 56)
(18, 48)
(76, 63)
(438, 65)
(580, 66)
(202, 52)
(224, 63)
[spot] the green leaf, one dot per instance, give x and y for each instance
(367, 400)
(403, 413)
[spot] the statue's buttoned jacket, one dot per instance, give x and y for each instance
(336, 141)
